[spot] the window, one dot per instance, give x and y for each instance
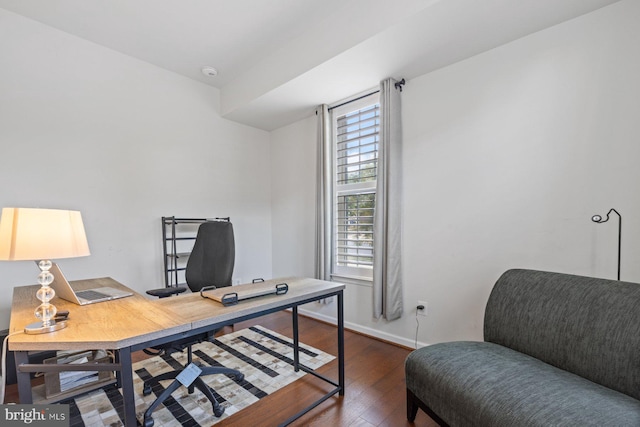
(355, 134)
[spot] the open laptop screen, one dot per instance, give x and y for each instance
(89, 296)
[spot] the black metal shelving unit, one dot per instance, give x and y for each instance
(174, 260)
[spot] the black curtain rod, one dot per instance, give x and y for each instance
(354, 100)
(398, 85)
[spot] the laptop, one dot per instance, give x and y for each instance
(89, 296)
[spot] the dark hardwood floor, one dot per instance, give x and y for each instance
(375, 387)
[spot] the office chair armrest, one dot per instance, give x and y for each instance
(166, 292)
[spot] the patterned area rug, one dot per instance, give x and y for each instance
(265, 358)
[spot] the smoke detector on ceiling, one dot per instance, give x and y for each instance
(209, 71)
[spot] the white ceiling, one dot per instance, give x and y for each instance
(277, 59)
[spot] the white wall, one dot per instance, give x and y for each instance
(293, 165)
(507, 155)
(83, 127)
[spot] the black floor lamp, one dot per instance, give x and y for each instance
(599, 220)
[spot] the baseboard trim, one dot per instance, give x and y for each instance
(364, 330)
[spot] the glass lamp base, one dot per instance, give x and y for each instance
(38, 328)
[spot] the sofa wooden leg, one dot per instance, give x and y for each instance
(412, 406)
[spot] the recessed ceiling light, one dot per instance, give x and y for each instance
(209, 71)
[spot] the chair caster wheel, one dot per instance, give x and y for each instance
(148, 422)
(217, 412)
(240, 377)
(146, 391)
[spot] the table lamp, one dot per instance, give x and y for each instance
(42, 235)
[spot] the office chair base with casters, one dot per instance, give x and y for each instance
(218, 409)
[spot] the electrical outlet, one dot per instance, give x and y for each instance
(423, 311)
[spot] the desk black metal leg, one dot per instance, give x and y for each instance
(341, 342)
(126, 378)
(339, 387)
(23, 378)
(116, 359)
(296, 342)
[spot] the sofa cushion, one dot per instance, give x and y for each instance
(585, 325)
(485, 384)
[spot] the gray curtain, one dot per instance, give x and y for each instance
(387, 223)
(323, 196)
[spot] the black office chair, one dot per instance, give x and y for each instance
(210, 264)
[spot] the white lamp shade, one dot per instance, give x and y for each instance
(41, 234)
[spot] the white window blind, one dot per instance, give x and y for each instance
(354, 234)
(356, 135)
(357, 151)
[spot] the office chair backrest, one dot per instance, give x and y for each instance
(212, 257)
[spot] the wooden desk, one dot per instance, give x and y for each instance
(106, 325)
(134, 323)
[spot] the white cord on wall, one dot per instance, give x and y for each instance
(417, 327)
(3, 379)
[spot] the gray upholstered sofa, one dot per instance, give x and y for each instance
(559, 350)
